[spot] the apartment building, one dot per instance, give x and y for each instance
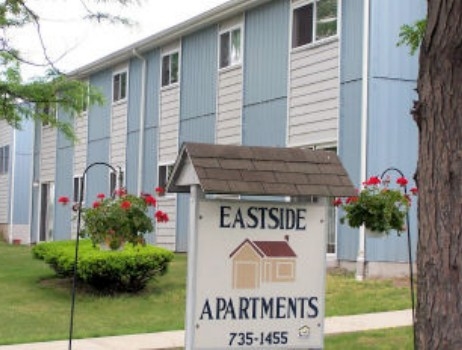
(323, 74)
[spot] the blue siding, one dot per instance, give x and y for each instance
(266, 52)
(349, 151)
(64, 183)
(265, 124)
(182, 222)
(351, 47)
(62, 141)
(265, 74)
(153, 85)
(150, 160)
(22, 172)
(199, 74)
(98, 176)
(198, 130)
(131, 177)
(99, 122)
(134, 95)
(387, 17)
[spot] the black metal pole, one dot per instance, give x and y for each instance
(77, 240)
(409, 248)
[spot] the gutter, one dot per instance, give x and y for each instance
(142, 121)
(361, 259)
(166, 36)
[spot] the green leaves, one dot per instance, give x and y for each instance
(412, 35)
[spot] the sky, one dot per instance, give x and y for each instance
(72, 42)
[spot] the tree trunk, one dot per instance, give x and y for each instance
(438, 114)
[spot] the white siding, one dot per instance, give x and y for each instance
(48, 154)
(119, 134)
(314, 95)
(169, 124)
(4, 200)
(22, 232)
(229, 116)
(80, 148)
(165, 232)
(5, 139)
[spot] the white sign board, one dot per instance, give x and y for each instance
(260, 275)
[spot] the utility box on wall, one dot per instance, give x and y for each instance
(256, 268)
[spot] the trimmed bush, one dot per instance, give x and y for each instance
(127, 270)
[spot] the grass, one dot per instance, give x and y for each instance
(384, 339)
(35, 306)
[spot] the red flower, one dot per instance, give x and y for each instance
(125, 205)
(100, 196)
(402, 181)
(372, 181)
(350, 200)
(337, 202)
(161, 216)
(63, 200)
(414, 191)
(160, 191)
(96, 204)
(150, 200)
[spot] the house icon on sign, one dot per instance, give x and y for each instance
(257, 262)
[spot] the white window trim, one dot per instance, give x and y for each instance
(119, 72)
(315, 42)
(229, 30)
(169, 53)
(124, 182)
(81, 182)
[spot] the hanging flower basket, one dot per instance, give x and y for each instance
(379, 208)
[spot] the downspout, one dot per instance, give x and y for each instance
(12, 184)
(361, 258)
(142, 120)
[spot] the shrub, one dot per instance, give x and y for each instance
(108, 272)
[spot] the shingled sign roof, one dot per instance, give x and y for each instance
(266, 171)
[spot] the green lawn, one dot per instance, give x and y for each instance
(35, 306)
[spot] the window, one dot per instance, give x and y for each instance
(119, 86)
(164, 175)
(230, 48)
(78, 186)
(116, 181)
(314, 21)
(4, 159)
(170, 67)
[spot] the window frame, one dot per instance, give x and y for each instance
(169, 55)
(230, 61)
(314, 24)
(114, 179)
(163, 174)
(117, 95)
(77, 183)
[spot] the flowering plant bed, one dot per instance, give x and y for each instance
(377, 207)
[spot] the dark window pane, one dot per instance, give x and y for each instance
(302, 31)
(165, 70)
(123, 86)
(116, 87)
(6, 157)
(174, 68)
(224, 50)
(76, 189)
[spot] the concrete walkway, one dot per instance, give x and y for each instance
(175, 339)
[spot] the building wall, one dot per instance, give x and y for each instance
(265, 74)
